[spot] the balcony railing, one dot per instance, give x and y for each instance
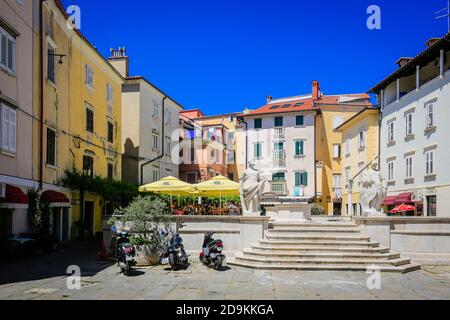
(278, 187)
(279, 158)
(278, 133)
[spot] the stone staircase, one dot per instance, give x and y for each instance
(319, 246)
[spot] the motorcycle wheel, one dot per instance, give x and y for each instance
(127, 270)
(172, 261)
(218, 263)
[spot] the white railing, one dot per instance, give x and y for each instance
(278, 132)
(278, 187)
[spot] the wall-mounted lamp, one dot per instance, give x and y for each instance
(60, 61)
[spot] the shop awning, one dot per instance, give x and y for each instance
(14, 195)
(405, 198)
(51, 196)
(389, 201)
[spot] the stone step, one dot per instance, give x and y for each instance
(324, 231)
(315, 237)
(312, 225)
(318, 254)
(349, 267)
(319, 243)
(332, 261)
(266, 248)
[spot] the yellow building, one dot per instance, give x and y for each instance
(360, 136)
(79, 120)
(334, 110)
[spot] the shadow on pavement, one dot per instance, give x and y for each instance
(81, 253)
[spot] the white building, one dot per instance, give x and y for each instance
(150, 127)
(281, 139)
(414, 154)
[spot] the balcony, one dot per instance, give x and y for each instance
(278, 187)
(279, 158)
(279, 133)
(337, 193)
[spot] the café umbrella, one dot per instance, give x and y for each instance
(403, 208)
(169, 186)
(218, 187)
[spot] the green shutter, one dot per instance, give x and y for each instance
(302, 149)
(305, 179)
(297, 179)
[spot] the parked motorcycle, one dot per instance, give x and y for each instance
(175, 255)
(212, 251)
(125, 253)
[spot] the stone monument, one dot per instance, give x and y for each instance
(251, 188)
(373, 191)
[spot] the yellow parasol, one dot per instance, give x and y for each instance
(170, 186)
(218, 187)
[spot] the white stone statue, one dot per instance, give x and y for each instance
(373, 192)
(251, 187)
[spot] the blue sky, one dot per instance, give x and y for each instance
(224, 56)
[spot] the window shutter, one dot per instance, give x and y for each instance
(12, 129)
(5, 127)
(302, 148)
(305, 179)
(297, 179)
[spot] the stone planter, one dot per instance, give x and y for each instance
(145, 257)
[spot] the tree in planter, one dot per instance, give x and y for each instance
(145, 217)
(39, 215)
(317, 210)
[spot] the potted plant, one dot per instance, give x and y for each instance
(145, 218)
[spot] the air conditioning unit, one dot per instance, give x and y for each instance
(2, 190)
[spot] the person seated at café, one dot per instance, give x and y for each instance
(232, 209)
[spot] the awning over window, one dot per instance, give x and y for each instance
(51, 196)
(389, 201)
(404, 198)
(14, 195)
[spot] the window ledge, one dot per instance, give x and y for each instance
(410, 137)
(391, 183)
(361, 149)
(300, 157)
(51, 166)
(8, 72)
(50, 83)
(409, 180)
(430, 177)
(430, 130)
(391, 144)
(8, 153)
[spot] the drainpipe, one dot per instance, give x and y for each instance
(315, 157)
(41, 94)
(241, 120)
(162, 139)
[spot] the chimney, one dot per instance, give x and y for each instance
(315, 90)
(432, 42)
(269, 99)
(403, 61)
(119, 60)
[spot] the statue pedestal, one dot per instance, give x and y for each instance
(290, 211)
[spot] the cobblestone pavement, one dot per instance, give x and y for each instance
(43, 278)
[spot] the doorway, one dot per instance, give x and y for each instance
(89, 218)
(431, 206)
(5, 224)
(337, 209)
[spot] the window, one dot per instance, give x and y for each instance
(391, 171)
(409, 124)
(51, 147)
(155, 109)
(155, 141)
(362, 139)
(168, 147)
(89, 77)
(278, 122)
(258, 123)
(109, 94)
(429, 162)
(257, 150)
(336, 151)
(191, 177)
(337, 181)
(110, 132)
(110, 171)
(155, 175)
(230, 157)
(51, 74)
(88, 166)
(391, 131)
(8, 128)
(409, 167)
(299, 148)
(300, 121)
(218, 160)
(193, 154)
(431, 206)
(90, 120)
(280, 176)
(7, 51)
(347, 146)
(301, 179)
(168, 118)
(430, 122)
(347, 175)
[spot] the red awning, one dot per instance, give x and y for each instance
(404, 198)
(51, 196)
(14, 195)
(389, 201)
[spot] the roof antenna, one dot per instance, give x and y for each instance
(440, 14)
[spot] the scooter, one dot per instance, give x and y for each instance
(175, 255)
(125, 253)
(212, 251)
